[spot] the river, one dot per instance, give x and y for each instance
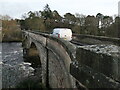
(13, 67)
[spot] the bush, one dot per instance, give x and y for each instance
(11, 31)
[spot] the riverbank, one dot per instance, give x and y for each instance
(11, 41)
(11, 36)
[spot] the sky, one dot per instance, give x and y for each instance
(16, 8)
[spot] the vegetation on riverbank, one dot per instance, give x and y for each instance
(46, 20)
(11, 31)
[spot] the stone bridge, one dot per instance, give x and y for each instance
(66, 65)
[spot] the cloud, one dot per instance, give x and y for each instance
(15, 8)
(18, 1)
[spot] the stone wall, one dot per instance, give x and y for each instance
(59, 66)
(97, 66)
(90, 39)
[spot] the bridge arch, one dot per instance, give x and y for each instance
(55, 60)
(33, 57)
(33, 54)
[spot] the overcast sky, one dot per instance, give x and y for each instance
(16, 8)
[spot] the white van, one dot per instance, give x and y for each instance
(63, 33)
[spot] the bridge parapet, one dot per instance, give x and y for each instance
(97, 66)
(44, 39)
(91, 39)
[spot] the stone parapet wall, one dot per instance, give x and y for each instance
(97, 66)
(90, 39)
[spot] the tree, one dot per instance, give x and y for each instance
(33, 21)
(107, 21)
(46, 13)
(91, 25)
(10, 30)
(70, 18)
(31, 14)
(56, 16)
(99, 17)
(80, 19)
(114, 30)
(76, 29)
(80, 22)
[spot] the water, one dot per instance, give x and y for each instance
(12, 53)
(14, 69)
